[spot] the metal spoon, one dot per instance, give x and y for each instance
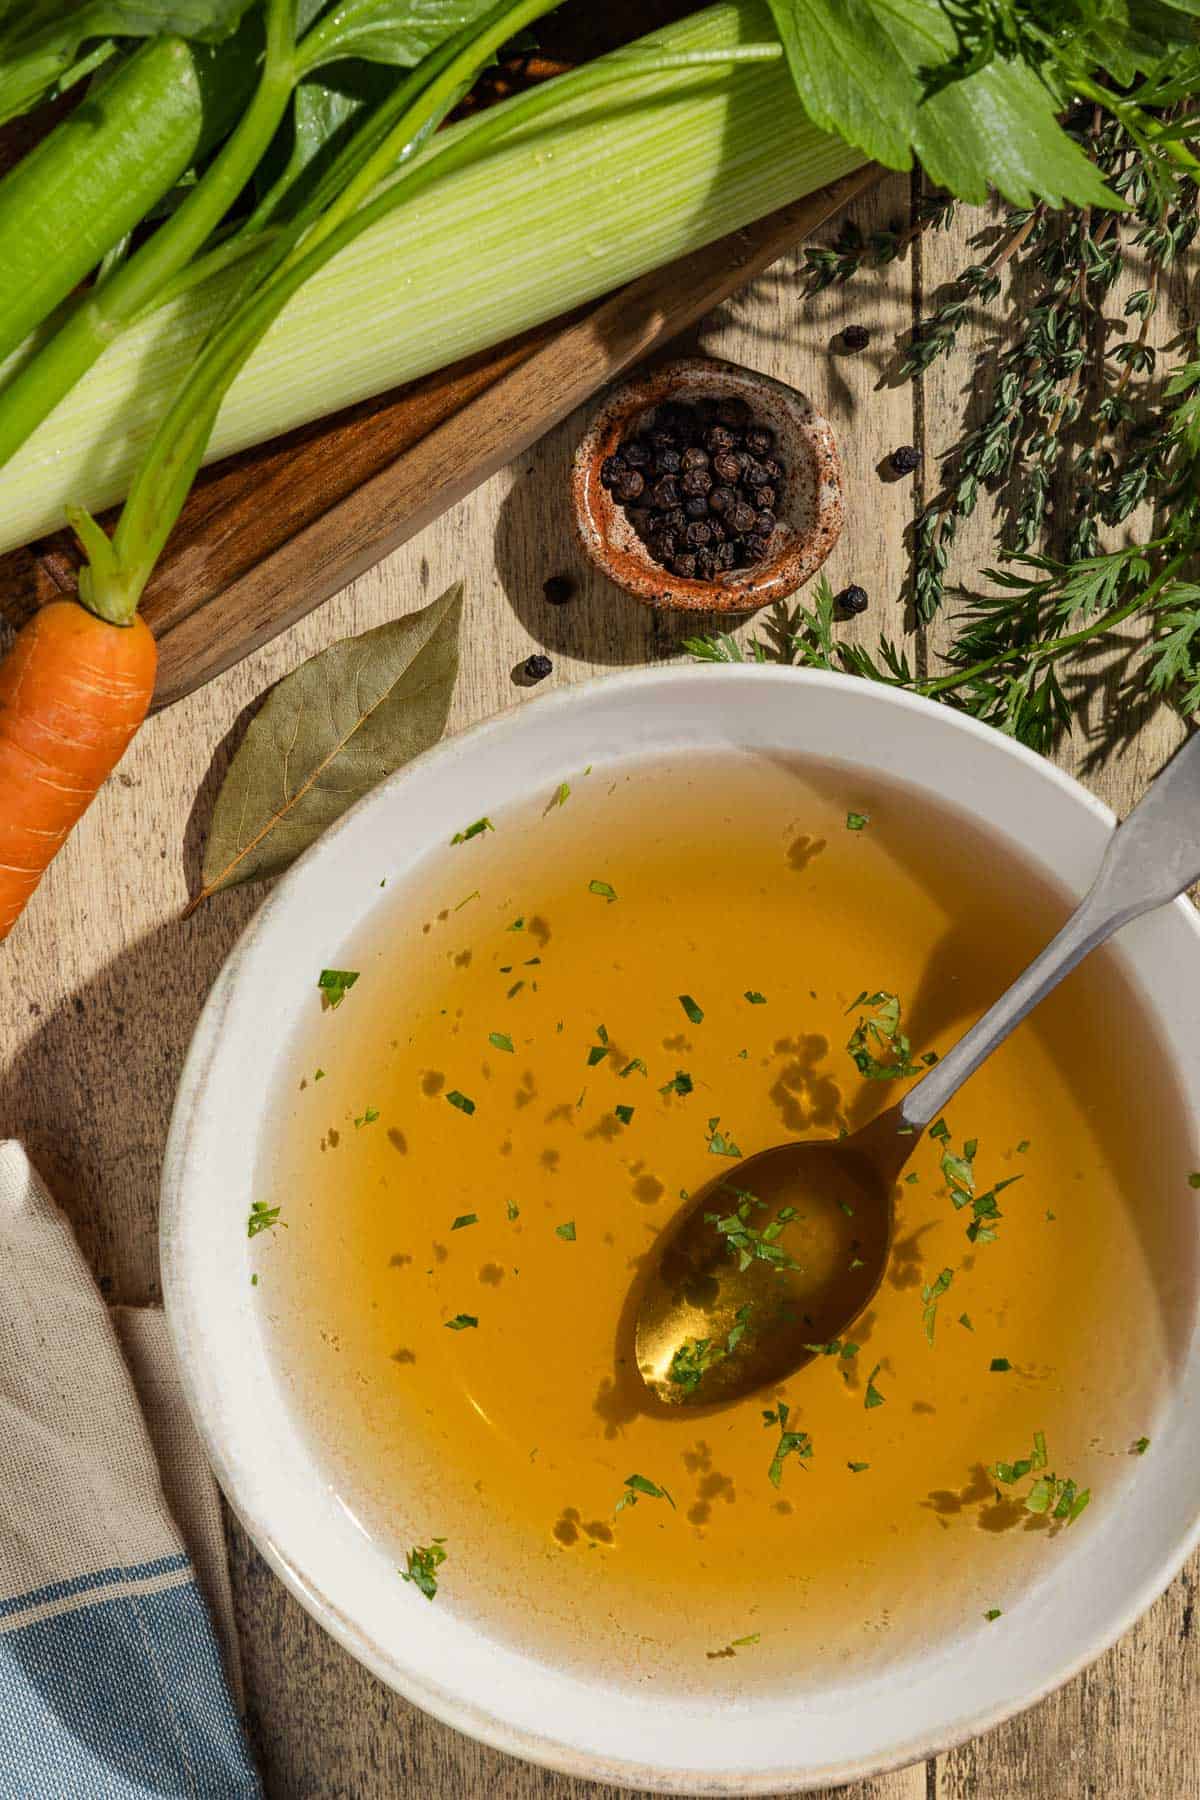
(727, 1309)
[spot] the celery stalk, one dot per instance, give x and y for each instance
(578, 201)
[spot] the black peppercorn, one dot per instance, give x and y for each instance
(855, 337)
(701, 486)
(558, 589)
(536, 668)
(851, 600)
(905, 459)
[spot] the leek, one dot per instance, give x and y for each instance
(580, 197)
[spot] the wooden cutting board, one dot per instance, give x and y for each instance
(268, 534)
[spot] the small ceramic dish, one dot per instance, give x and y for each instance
(809, 509)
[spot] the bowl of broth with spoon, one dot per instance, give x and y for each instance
(461, 1075)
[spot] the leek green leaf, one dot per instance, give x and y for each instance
(328, 733)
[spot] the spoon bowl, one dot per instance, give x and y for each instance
(769, 1264)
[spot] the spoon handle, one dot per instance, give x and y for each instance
(1153, 856)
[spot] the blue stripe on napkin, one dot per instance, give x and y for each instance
(111, 1688)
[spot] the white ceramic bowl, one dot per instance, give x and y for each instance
(1103, 1575)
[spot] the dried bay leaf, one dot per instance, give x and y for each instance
(327, 734)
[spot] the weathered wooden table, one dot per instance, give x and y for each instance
(100, 987)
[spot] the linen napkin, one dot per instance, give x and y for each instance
(112, 1680)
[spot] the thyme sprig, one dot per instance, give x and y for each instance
(1080, 427)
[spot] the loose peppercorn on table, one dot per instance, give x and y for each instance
(100, 986)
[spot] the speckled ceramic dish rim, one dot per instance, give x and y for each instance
(1103, 1575)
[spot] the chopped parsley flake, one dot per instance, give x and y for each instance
(465, 1219)
(755, 998)
(517, 925)
(598, 1051)
(514, 1211)
(423, 1560)
(873, 1397)
(461, 1101)
(681, 1083)
(1051, 1496)
(562, 794)
(472, 831)
(718, 1143)
(931, 1295)
(999, 1365)
(733, 1646)
(462, 1322)
(254, 1281)
(695, 1356)
(629, 1068)
(835, 1347)
(791, 1443)
(368, 1117)
(500, 1040)
(1140, 1447)
(638, 1484)
(857, 1468)
(745, 1240)
(855, 821)
(993, 1612)
(566, 1231)
(882, 1031)
(474, 895)
(694, 1013)
(1194, 1179)
(624, 1113)
(318, 1075)
(262, 1218)
(603, 889)
(959, 1172)
(335, 984)
(1023, 1146)
(964, 1319)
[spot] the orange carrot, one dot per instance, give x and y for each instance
(73, 690)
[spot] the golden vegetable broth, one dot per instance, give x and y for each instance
(513, 1440)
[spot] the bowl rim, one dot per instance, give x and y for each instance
(408, 1679)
